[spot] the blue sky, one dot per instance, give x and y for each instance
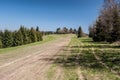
(48, 14)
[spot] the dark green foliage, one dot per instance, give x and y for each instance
(1, 35)
(7, 39)
(33, 36)
(115, 34)
(25, 34)
(100, 35)
(57, 30)
(107, 26)
(37, 28)
(74, 31)
(38, 34)
(80, 32)
(91, 32)
(0, 43)
(20, 37)
(17, 38)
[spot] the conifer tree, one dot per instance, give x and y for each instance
(0, 43)
(38, 34)
(107, 26)
(115, 34)
(1, 37)
(24, 34)
(80, 32)
(7, 39)
(33, 36)
(17, 38)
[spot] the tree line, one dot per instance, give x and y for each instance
(107, 25)
(65, 30)
(19, 37)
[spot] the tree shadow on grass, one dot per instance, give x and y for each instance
(86, 60)
(97, 46)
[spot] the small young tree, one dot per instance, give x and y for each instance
(80, 32)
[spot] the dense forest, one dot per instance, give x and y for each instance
(19, 37)
(107, 25)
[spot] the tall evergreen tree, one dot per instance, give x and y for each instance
(37, 28)
(33, 36)
(80, 32)
(1, 37)
(38, 34)
(107, 27)
(24, 32)
(17, 38)
(115, 34)
(0, 43)
(57, 30)
(7, 39)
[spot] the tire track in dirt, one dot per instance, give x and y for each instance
(32, 67)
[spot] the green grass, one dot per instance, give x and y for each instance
(46, 39)
(79, 53)
(70, 74)
(51, 71)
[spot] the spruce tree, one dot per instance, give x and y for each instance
(107, 26)
(25, 34)
(37, 28)
(38, 34)
(33, 36)
(57, 30)
(115, 34)
(7, 39)
(17, 38)
(80, 32)
(0, 43)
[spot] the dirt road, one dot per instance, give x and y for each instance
(31, 66)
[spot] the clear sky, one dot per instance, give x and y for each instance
(48, 14)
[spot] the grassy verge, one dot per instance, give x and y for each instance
(51, 71)
(79, 53)
(46, 39)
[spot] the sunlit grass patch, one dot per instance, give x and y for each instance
(51, 71)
